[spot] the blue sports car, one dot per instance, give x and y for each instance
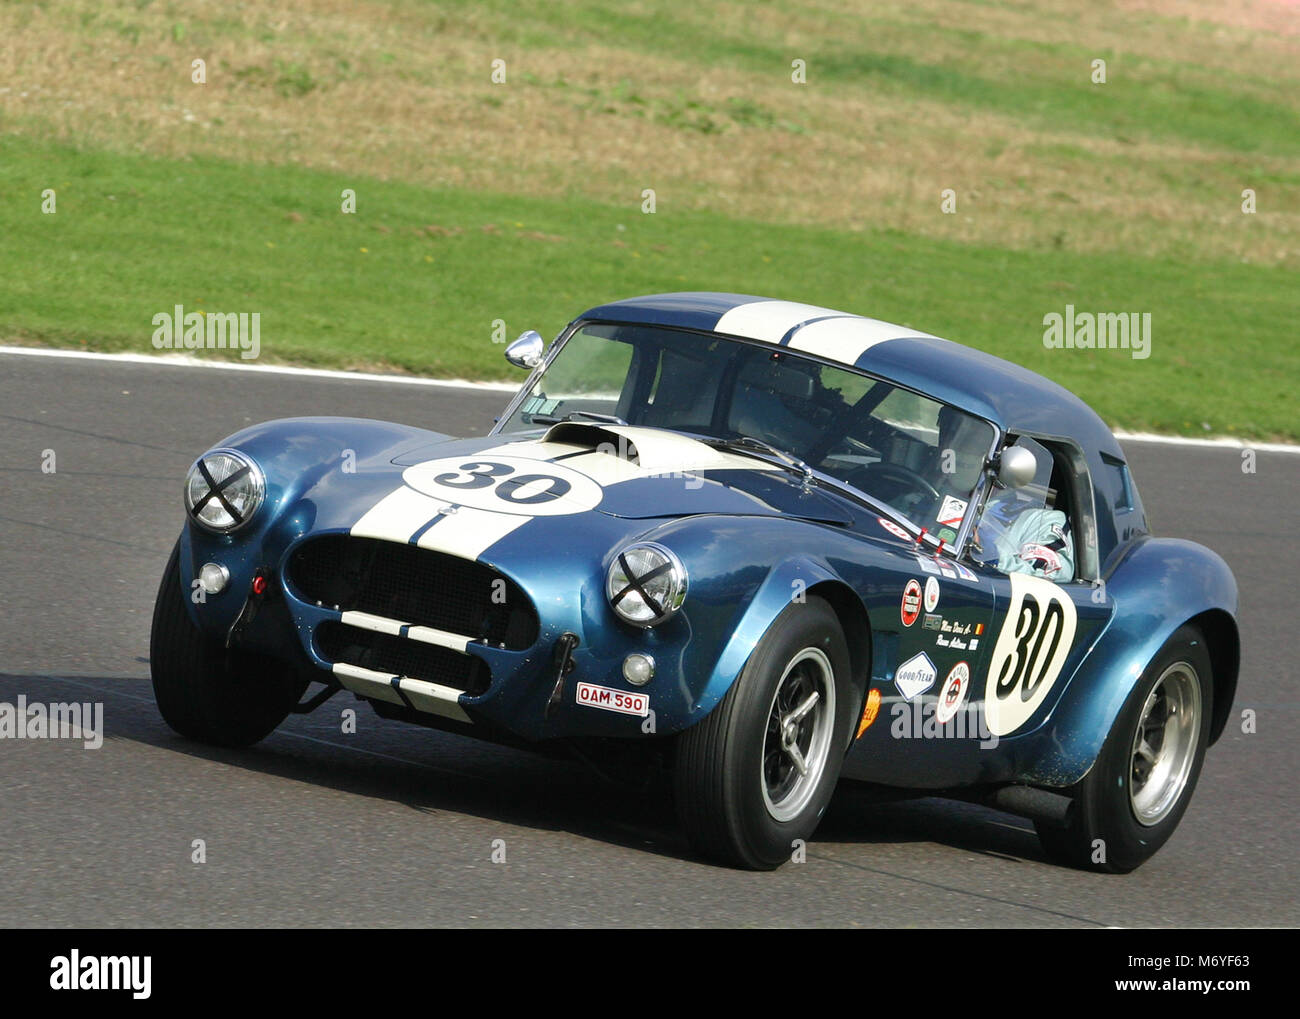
(755, 545)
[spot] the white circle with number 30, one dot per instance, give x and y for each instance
(505, 484)
(1032, 646)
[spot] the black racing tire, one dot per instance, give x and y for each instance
(205, 692)
(1117, 822)
(738, 796)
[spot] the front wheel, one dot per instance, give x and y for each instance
(1137, 791)
(205, 691)
(758, 772)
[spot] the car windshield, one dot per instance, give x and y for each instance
(921, 457)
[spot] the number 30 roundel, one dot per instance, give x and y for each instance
(1033, 643)
(505, 484)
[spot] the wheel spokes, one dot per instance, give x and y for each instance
(1164, 744)
(797, 757)
(798, 713)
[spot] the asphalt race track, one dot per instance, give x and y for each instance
(395, 825)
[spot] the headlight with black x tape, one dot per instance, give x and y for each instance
(224, 490)
(646, 584)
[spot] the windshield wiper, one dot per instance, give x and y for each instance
(551, 419)
(747, 444)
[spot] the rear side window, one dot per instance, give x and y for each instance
(1120, 484)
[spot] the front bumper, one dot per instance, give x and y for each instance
(500, 684)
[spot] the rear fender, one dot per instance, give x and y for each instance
(1158, 584)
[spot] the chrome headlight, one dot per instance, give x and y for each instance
(646, 584)
(223, 490)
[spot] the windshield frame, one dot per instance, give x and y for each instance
(957, 548)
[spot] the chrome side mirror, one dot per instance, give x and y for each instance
(527, 351)
(1016, 467)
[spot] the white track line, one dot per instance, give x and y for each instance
(1221, 443)
(186, 361)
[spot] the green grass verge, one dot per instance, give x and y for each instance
(415, 280)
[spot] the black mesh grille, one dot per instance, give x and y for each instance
(400, 656)
(414, 585)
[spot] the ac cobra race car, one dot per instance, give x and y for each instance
(752, 545)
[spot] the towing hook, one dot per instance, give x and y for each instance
(563, 658)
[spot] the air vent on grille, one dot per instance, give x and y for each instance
(414, 585)
(399, 656)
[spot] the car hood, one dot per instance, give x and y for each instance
(616, 470)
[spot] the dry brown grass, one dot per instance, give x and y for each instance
(403, 91)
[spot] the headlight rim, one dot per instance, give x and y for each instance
(678, 571)
(255, 472)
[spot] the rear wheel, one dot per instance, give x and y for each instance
(758, 772)
(205, 691)
(1137, 791)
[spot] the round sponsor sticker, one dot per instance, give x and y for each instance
(953, 693)
(893, 529)
(911, 607)
(931, 594)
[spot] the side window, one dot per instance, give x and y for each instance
(1119, 483)
(1029, 530)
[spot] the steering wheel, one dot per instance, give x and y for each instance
(912, 481)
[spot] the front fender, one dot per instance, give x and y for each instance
(787, 580)
(1158, 584)
(321, 473)
(729, 608)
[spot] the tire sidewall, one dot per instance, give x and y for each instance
(812, 624)
(1105, 809)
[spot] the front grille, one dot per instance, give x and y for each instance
(414, 585)
(399, 656)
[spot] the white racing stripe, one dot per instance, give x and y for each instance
(398, 515)
(467, 523)
(663, 452)
(469, 532)
(769, 320)
(846, 339)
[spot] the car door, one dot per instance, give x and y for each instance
(947, 611)
(1039, 633)
(1045, 616)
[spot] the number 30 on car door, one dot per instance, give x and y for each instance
(1036, 636)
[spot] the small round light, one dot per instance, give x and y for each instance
(259, 586)
(224, 489)
(213, 578)
(638, 669)
(646, 584)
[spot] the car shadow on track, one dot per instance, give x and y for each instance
(435, 772)
(863, 814)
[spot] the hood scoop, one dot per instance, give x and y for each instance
(598, 438)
